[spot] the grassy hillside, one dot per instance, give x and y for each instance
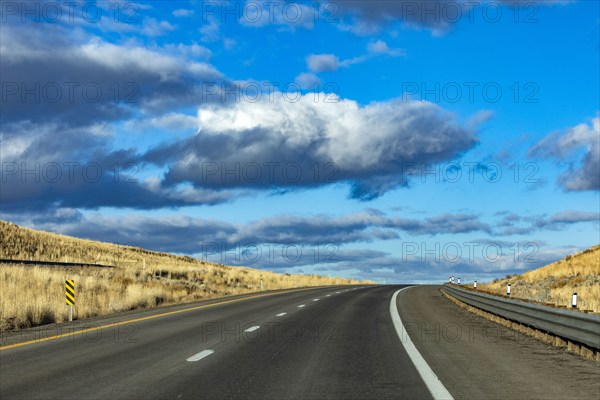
(556, 282)
(34, 295)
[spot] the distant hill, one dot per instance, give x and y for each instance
(34, 295)
(20, 243)
(556, 282)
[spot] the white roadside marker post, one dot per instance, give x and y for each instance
(261, 283)
(508, 289)
(459, 280)
(474, 284)
(449, 279)
(574, 300)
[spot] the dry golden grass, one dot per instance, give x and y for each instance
(35, 295)
(555, 283)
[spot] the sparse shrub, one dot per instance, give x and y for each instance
(555, 283)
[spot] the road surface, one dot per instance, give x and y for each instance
(323, 343)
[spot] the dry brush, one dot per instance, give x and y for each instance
(34, 295)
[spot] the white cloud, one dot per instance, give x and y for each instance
(342, 128)
(307, 80)
(126, 58)
(381, 47)
(210, 31)
(369, 146)
(152, 27)
(563, 147)
(229, 43)
(323, 62)
(182, 12)
(173, 122)
(151, 78)
(330, 62)
(192, 50)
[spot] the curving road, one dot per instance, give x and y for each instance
(323, 343)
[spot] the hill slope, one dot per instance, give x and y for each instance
(556, 282)
(34, 295)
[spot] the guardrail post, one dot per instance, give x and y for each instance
(508, 289)
(475, 284)
(459, 280)
(574, 300)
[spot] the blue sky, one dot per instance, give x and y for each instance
(404, 140)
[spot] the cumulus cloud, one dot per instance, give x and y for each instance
(323, 62)
(57, 165)
(283, 142)
(85, 79)
(362, 145)
(584, 170)
(381, 47)
(76, 86)
(307, 80)
(330, 62)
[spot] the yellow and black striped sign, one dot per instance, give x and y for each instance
(70, 292)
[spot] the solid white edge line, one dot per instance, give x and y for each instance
(252, 328)
(200, 356)
(435, 386)
(281, 314)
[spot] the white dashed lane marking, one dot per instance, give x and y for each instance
(200, 356)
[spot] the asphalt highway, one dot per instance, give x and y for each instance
(365, 342)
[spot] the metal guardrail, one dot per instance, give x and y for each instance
(53, 263)
(571, 325)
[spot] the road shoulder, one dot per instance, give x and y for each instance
(477, 358)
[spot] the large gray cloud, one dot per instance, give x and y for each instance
(241, 148)
(63, 91)
(339, 141)
(582, 173)
(368, 17)
(57, 165)
(54, 73)
(314, 140)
